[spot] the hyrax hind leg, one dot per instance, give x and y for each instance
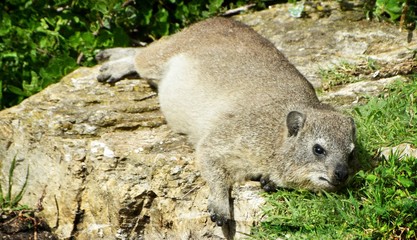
(120, 63)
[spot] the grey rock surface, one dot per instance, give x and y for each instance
(325, 38)
(108, 166)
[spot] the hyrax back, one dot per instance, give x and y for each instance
(247, 110)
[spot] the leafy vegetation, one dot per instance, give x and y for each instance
(380, 202)
(42, 40)
(8, 202)
(393, 10)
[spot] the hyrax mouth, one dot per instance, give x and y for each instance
(331, 183)
(325, 179)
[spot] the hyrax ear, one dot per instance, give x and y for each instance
(295, 121)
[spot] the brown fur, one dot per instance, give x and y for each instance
(248, 111)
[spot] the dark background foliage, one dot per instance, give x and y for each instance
(42, 40)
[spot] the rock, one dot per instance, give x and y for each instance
(109, 166)
(403, 150)
(351, 93)
(312, 44)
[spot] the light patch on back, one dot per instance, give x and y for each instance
(185, 99)
(179, 65)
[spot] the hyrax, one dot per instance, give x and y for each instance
(248, 111)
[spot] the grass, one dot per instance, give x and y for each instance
(345, 73)
(390, 119)
(339, 75)
(8, 201)
(380, 202)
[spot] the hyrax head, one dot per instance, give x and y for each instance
(318, 151)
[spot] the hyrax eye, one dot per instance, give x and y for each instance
(318, 150)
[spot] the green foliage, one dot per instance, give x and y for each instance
(379, 203)
(396, 10)
(391, 8)
(339, 75)
(42, 40)
(390, 119)
(7, 201)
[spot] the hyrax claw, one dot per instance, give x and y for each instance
(220, 221)
(267, 185)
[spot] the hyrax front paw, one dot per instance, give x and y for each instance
(267, 184)
(218, 216)
(219, 220)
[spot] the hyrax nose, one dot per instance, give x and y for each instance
(341, 173)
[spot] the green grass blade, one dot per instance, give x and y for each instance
(10, 184)
(15, 201)
(1, 197)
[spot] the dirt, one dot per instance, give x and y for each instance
(24, 225)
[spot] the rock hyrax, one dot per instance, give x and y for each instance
(248, 111)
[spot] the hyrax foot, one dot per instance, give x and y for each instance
(116, 70)
(219, 218)
(120, 64)
(267, 185)
(219, 205)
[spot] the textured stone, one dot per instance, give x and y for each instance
(402, 150)
(108, 165)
